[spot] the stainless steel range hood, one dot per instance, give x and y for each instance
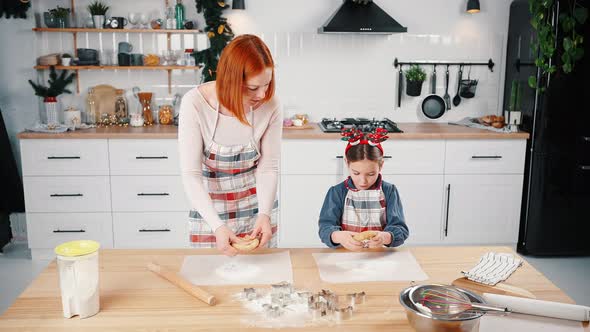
(361, 16)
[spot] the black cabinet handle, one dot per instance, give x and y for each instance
(339, 157)
(448, 204)
(387, 157)
(584, 167)
(66, 195)
(64, 157)
(486, 157)
(153, 194)
(69, 231)
(148, 157)
(154, 230)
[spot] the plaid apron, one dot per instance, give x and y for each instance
(229, 176)
(364, 210)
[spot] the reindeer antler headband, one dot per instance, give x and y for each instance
(355, 136)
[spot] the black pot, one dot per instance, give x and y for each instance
(413, 88)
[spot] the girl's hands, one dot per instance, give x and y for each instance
(380, 240)
(263, 228)
(345, 239)
(223, 238)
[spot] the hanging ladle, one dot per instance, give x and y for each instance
(457, 98)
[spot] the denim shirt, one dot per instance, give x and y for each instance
(331, 214)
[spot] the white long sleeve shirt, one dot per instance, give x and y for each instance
(196, 125)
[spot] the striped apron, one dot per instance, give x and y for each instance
(229, 175)
(364, 210)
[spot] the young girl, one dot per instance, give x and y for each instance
(363, 202)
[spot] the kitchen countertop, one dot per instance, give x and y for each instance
(411, 131)
(135, 299)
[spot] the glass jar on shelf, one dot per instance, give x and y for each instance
(145, 98)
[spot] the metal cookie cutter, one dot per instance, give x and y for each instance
(282, 287)
(343, 313)
(330, 298)
(250, 294)
(356, 298)
(318, 309)
(272, 310)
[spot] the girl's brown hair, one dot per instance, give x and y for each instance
(364, 152)
(243, 57)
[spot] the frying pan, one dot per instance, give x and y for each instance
(433, 106)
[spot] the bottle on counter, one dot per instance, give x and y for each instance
(179, 15)
(91, 112)
(121, 109)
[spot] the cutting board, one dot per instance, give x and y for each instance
(307, 126)
(105, 96)
(500, 288)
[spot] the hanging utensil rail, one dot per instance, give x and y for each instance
(490, 64)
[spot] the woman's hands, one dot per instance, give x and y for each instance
(223, 239)
(263, 229)
(345, 239)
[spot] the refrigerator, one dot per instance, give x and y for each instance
(555, 213)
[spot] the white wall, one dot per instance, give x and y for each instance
(324, 75)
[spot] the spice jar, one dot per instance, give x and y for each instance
(166, 115)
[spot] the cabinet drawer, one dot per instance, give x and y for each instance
(148, 193)
(485, 157)
(47, 230)
(144, 157)
(308, 156)
(151, 230)
(67, 194)
(413, 157)
(41, 157)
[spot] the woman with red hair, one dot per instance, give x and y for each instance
(229, 140)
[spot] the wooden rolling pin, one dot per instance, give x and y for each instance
(179, 281)
(500, 288)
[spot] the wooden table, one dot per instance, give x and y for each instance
(134, 299)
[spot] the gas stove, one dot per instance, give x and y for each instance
(364, 124)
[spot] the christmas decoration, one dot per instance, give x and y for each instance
(219, 33)
(355, 136)
(14, 8)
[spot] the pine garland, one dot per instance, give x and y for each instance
(219, 33)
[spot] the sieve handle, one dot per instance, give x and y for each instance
(488, 307)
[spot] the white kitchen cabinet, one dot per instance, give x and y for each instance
(302, 197)
(482, 209)
(413, 157)
(151, 230)
(144, 157)
(148, 193)
(64, 157)
(422, 201)
(485, 157)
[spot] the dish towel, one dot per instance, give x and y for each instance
(493, 268)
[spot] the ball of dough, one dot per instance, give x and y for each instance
(249, 244)
(366, 235)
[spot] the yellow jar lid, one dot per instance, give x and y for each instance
(77, 248)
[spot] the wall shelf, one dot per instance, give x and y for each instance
(194, 31)
(120, 67)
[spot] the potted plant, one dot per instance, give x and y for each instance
(66, 59)
(414, 78)
(61, 15)
(98, 11)
(57, 85)
(57, 17)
